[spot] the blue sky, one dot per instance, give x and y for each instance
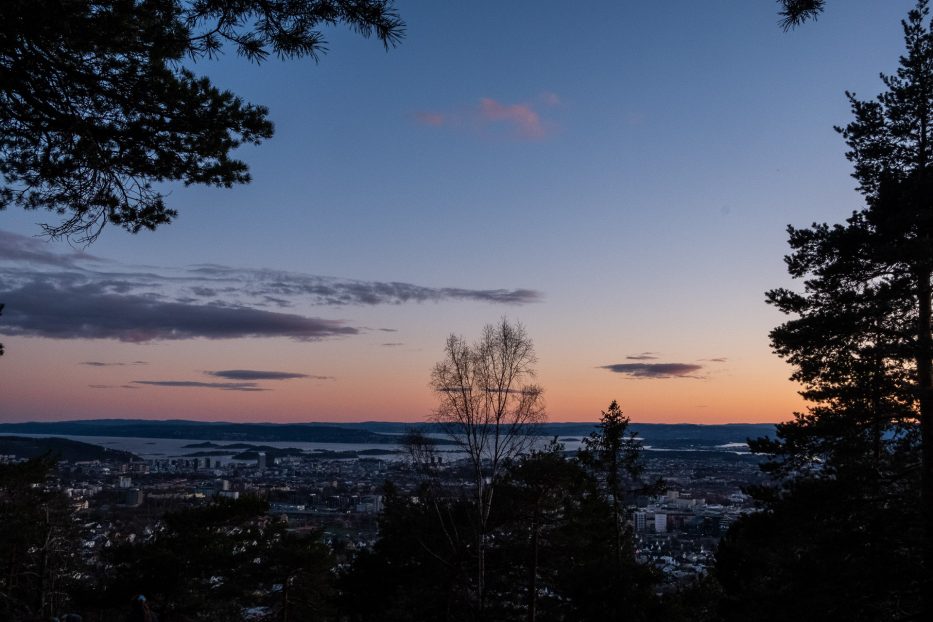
(633, 163)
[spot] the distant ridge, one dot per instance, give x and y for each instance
(200, 430)
(666, 435)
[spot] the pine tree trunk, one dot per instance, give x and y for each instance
(877, 410)
(925, 397)
(533, 573)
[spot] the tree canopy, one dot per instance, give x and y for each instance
(548, 555)
(214, 562)
(861, 333)
(98, 107)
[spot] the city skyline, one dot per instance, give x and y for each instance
(631, 216)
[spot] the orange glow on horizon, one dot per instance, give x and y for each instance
(352, 381)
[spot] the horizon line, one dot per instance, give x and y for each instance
(344, 423)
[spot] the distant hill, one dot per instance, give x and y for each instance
(199, 430)
(666, 436)
(61, 448)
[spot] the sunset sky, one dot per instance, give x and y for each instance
(617, 176)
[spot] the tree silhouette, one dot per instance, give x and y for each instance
(822, 550)
(555, 531)
(795, 12)
(848, 343)
(546, 559)
(488, 406)
(212, 562)
(420, 567)
(862, 341)
(613, 454)
(537, 491)
(97, 109)
(39, 544)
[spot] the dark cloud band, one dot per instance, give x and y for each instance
(224, 386)
(655, 370)
(255, 374)
(79, 296)
(89, 311)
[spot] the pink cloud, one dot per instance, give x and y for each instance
(520, 120)
(434, 119)
(522, 117)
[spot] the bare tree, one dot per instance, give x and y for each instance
(489, 406)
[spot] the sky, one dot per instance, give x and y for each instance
(616, 176)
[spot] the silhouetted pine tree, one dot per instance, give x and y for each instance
(98, 106)
(555, 556)
(855, 510)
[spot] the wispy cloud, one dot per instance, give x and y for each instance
(655, 370)
(117, 364)
(392, 344)
(718, 359)
(332, 291)
(22, 249)
(522, 120)
(112, 386)
(644, 356)
(75, 296)
(223, 386)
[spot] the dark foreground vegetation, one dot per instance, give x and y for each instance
(557, 547)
